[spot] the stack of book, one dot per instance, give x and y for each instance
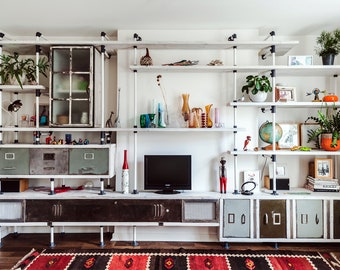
(322, 185)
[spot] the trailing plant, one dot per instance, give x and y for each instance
(328, 43)
(256, 83)
(329, 122)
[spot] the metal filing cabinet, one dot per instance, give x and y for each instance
(89, 161)
(309, 218)
(48, 161)
(14, 161)
(236, 218)
(273, 219)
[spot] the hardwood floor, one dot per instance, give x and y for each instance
(16, 246)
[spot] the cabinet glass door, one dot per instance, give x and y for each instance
(71, 86)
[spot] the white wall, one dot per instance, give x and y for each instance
(205, 88)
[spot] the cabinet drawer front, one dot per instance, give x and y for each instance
(14, 161)
(236, 218)
(48, 161)
(89, 161)
(12, 211)
(336, 214)
(273, 219)
(309, 218)
(147, 210)
(201, 211)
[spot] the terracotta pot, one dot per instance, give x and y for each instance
(326, 141)
(330, 98)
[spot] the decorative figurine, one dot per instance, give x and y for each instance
(223, 178)
(316, 92)
(146, 60)
(246, 142)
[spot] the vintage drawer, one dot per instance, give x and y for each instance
(89, 161)
(14, 161)
(236, 218)
(309, 218)
(48, 161)
(273, 219)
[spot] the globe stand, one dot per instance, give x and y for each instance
(270, 147)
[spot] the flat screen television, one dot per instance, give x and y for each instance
(167, 174)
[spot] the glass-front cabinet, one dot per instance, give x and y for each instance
(71, 86)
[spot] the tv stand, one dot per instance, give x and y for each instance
(167, 192)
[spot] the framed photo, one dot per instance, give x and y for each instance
(285, 93)
(300, 60)
(281, 170)
(305, 130)
(323, 168)
(290, 136)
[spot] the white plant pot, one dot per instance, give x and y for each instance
(259, 97)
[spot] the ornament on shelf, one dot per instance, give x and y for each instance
(246, 142)
(316, 92)
(223, 178)
(209, 122)
(125, 174)
(185, 107)
(146, 60)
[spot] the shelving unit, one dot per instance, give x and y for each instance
(224, 204)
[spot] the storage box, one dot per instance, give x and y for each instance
(281, 183)
(14, 185)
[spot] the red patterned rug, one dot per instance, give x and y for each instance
(182, 259)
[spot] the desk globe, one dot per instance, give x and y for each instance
(266, 134)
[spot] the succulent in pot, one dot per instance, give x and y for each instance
(329, 123)
(255, 85)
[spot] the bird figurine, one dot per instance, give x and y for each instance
(146, 60)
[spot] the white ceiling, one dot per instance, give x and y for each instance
(89, 18)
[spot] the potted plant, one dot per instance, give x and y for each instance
(257, 87)
(329, 129)
(328, 46)
(30, 69)
(15, 69)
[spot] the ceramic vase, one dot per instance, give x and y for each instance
(185, 107)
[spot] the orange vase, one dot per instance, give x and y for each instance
(209, 122)
(326, 142)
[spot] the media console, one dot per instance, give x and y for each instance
(87, 208)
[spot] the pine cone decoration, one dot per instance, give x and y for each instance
(146, 60)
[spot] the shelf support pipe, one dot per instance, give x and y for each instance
(16, 140)
(1, 37)
(103, 51)
(273, 110)
(135, 134)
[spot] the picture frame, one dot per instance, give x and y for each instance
(285, 93)
(281, 170)
(290, 135)
(300, 60)
(323, 168)
(305, 129)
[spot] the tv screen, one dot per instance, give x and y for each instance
(167, 173)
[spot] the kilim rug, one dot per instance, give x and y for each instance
(181, 259)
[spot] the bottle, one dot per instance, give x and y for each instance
(125, 174)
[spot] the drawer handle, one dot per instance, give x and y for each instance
(243, 219)
(49, 168)
(265, 218)
(10, 168)
(317, 220)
